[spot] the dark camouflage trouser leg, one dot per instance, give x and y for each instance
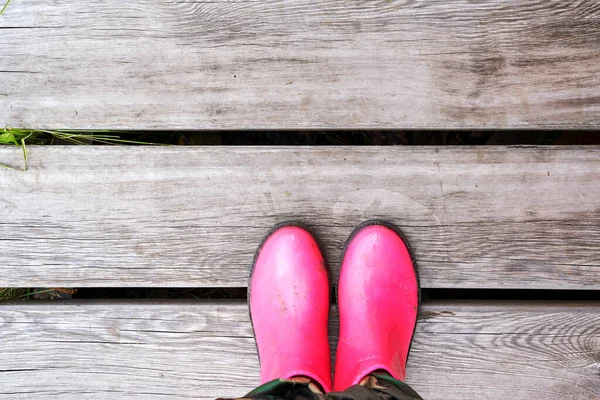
(375, 387)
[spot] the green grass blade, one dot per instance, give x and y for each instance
(30, 293)
(4, 8)
(98, 136)
(24, 154)
(19, 136)
(8, 138)
(8, 167)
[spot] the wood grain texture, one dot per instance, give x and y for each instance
(245, 64)
(480, 217)
(197, 350)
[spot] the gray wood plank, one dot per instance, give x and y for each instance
(198, 350)
(480, 217)
(186, 64)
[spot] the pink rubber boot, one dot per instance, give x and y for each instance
(289, 306)
(378, 300)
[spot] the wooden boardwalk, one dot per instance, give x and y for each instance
(478, 217)
(518, 218)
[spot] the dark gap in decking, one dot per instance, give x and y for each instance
(161, 293)
(364, 137)
(426, 294)
(510, 294)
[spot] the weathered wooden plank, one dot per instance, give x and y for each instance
(202, 351)
(187, 64)
(488, 217)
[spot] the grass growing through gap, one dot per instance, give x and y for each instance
(22, 137)
(7, 294)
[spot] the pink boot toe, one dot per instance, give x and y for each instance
(378, 300)
(289, 307)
